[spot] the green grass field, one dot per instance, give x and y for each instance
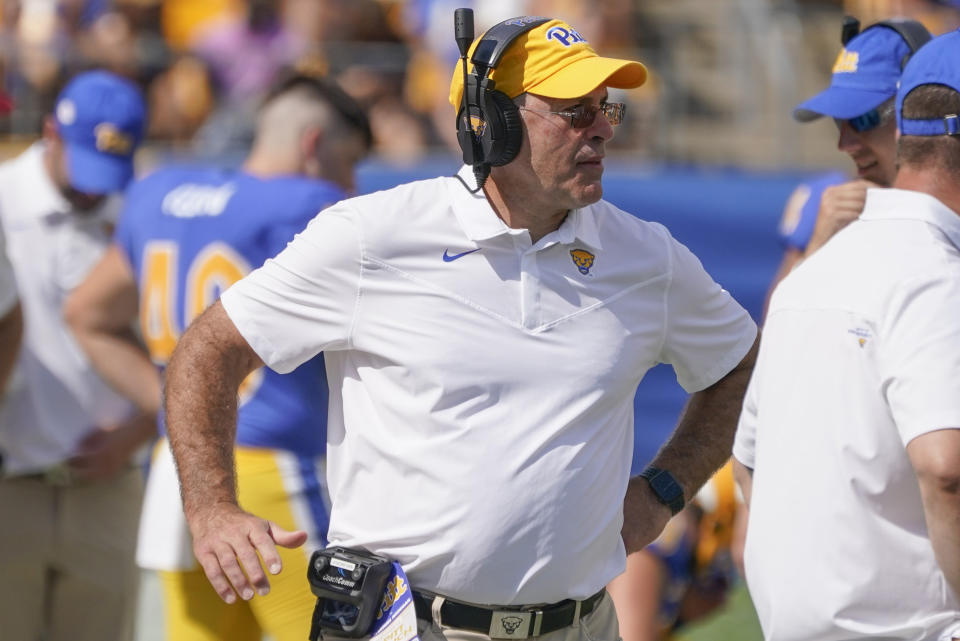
(736, 621)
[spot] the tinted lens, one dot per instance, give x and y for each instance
(614, 111)
(584, 116)
(865, 122)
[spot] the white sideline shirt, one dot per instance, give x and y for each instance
(484, 432)
(860, 355)
(54, 397)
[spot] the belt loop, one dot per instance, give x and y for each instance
(537, 622)
(435, 610)
(576, 613)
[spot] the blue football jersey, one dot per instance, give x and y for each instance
(800, 213)
(191, 232)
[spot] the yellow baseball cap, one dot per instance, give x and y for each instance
(555, 61)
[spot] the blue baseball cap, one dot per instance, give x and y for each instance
(934, 64)
(101, 119)
(864, 76)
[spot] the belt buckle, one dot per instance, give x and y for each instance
(514, 624)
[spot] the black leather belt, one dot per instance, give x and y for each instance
(515, 623)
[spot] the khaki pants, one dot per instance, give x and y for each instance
(599, 625)
(67, 559)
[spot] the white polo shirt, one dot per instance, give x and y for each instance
(54, 397)
(484, 432)
(860, 354)
(8, 286)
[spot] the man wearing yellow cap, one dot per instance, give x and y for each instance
(483, 346)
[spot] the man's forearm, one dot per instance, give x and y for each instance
(201, 409)
(699, 446)
(703, 439)
(935, 457)
(942, 507)
(100, 312)
(11, 331)
(121, 361)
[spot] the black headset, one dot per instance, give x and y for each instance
(489, 128)
(912, 32)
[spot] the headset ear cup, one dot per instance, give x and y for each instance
(510, 128)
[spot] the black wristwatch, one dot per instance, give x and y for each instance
(665, 488)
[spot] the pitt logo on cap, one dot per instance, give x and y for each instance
(111, 140)
(846, 62)
(582, 259)
(564, 36)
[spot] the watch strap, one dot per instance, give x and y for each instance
(665, 488)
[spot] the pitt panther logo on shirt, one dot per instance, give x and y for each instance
(847, 62)
(582, 259)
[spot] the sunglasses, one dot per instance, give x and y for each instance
(582, 116)
(863, 122)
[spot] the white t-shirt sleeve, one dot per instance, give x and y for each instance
(304, 300)
(707, 331)
(8, 285)
(919, 355)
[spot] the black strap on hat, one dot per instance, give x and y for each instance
(912, 32)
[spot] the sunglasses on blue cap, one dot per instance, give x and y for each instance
(863, 122)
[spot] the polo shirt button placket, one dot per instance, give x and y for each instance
(530, 289)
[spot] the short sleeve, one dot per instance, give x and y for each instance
(707, 332)
(8, 285)
(919, 355)
(304, 300)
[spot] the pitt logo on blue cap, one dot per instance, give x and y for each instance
(847, 62)
(111, 140)
(582, 259)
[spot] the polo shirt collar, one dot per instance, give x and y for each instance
(48, 202)
(583, 225)
(901, 204)
(480, 222)
(473, 212)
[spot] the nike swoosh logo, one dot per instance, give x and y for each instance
(448, 258)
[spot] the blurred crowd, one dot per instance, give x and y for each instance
(204, 64)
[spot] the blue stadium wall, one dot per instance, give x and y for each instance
(727, 217)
